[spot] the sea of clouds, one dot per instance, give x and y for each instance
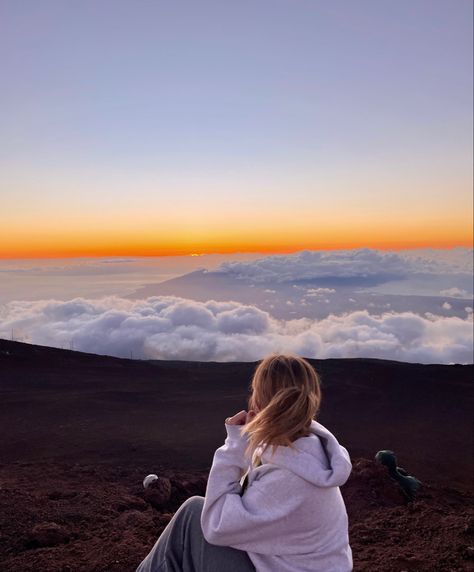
(424, 329)
(169, 327)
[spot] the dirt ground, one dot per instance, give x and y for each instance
(76, 518)
(79, 432)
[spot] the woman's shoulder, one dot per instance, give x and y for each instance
(271, 473)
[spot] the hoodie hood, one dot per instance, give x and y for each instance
(317, 458)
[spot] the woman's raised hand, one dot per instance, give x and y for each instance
(241, 418)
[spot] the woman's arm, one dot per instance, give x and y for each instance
(256, 520)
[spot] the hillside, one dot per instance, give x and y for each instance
(62, 404)
(80, 431)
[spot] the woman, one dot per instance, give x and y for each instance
(286, 514)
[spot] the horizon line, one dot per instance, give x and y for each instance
(135, 254)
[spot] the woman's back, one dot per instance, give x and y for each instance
(291, 516)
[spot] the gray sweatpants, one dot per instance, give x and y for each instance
(182, 547)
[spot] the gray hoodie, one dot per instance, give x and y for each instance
(291, 517)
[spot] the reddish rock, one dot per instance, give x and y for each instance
(158, 493)
(47, 534)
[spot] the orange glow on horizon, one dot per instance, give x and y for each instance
(230, 248)
(196, 236)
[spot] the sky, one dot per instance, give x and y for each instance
(152, 128)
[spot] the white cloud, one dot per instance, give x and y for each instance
(168, 327)
(363, 263)
(319, 291)
(454, 292)
(447, 306)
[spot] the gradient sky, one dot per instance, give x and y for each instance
(152, 127)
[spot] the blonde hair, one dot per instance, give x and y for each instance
(286, 390)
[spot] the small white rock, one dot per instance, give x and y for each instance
(149, 479)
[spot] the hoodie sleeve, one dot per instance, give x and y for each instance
(255, 520)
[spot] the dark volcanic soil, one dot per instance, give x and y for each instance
(70, 518)
(80, 431)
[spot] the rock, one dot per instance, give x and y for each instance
(158, 493)
(149, 479)
(47, 534)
